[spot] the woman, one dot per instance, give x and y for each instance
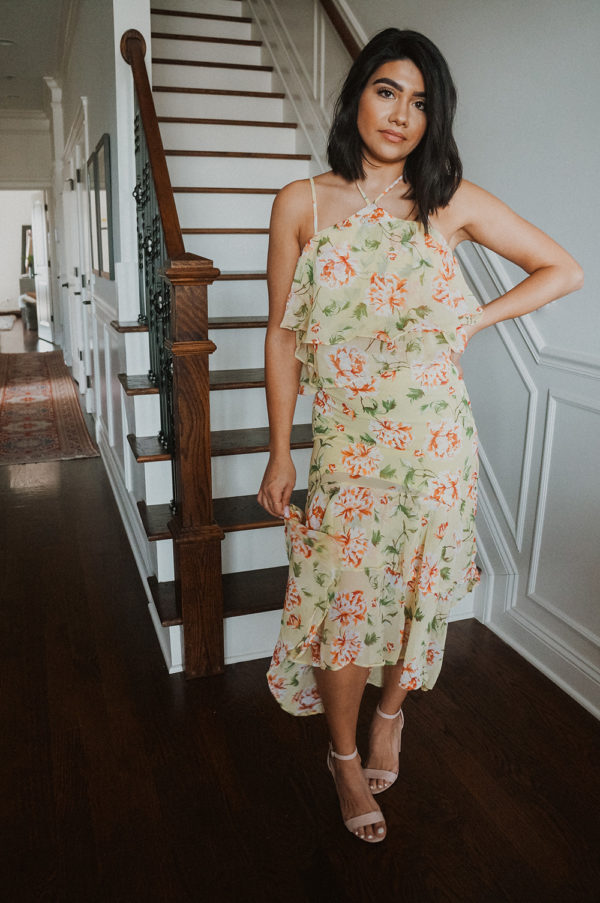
(373, 317)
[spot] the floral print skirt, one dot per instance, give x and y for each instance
(386, 544)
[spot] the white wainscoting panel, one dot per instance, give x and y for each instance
(566, 536)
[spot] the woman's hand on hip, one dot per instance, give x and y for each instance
(277, 485)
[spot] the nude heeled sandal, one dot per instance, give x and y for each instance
(378, 774)
(359, 821)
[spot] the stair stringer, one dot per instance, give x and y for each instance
(300, 97)
(170, 638)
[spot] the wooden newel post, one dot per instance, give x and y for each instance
(196, 537)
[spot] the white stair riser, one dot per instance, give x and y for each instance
(218, 211)
(230, 252)
(253, 139)
(209, 28)
(218, 106)
(230, 298)
(237, 409)
(249, 637)
(158, 482)
(234, 475)
(249, 550)
(147, 415)
(259, 172)
(237, 349)
(162, 558)
(137, 352)
(173, 49)
(178, 76)
(216, 7)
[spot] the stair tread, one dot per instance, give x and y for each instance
(247, 378)
(251, 592)
(155, 519)
(242, 378)
(227, 92)
(253, 123)
(232, 514)
(129, 326)
(212, 16)
(245, 42)
(250, 441)
(244, 512)
(137, 384)
(210, 190)
(232, 231)
(230, 275)
(246, 154)
(244, 593)
(147, 449)
(209, 64)
(165, 601)
(235, 322)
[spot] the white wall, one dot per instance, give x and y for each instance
(528, 133)
(89, 71)
(15, 212)
(25, 156)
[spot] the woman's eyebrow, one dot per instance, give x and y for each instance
(390, 81)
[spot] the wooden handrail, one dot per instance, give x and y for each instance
(337, 20)
(133, 51)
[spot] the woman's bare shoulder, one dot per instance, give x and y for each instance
(466, 206)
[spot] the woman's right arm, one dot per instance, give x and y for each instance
(282, 368)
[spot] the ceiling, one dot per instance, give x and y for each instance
(37, 27)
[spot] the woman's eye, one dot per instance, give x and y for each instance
(385, 92)
(421, 105)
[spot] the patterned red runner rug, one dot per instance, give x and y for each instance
(40, 417)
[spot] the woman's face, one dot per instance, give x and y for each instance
(391, 112)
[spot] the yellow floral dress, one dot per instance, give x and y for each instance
(386, 544)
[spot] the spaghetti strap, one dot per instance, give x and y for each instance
(314, 203)
(365, 198)
(389, 188)
(384, 192)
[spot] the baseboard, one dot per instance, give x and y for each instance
(550, 656)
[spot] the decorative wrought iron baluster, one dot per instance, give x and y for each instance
(155, 290)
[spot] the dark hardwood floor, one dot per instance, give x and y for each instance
(18, 339)
(122, 783)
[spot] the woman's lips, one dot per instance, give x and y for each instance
(396, 137)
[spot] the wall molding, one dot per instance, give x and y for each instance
(549, 437)
(582, 364)
(509, 567)
(516, 520)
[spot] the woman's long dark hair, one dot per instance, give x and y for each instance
(433, 169)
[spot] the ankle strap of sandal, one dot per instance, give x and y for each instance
(343, 758)
(385, 715)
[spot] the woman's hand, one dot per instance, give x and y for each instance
(277, 485)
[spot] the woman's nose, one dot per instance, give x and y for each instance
(399, 113)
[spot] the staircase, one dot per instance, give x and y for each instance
(229, 149)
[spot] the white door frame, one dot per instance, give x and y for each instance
(39, 234)
(77, 248)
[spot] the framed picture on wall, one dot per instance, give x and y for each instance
(100, 194)
(91, 171)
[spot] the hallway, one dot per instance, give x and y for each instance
(125, 784)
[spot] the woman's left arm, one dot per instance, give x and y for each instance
(479, 216)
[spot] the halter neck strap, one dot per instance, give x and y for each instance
(385, 191)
